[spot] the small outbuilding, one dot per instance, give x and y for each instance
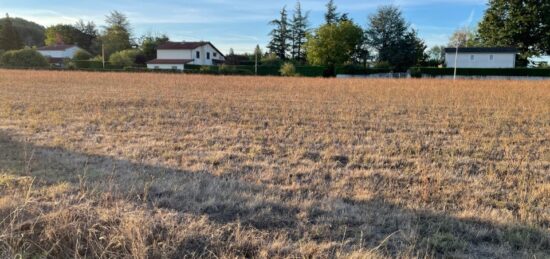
(504, 57)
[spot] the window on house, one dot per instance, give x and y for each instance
(215, 54)
(472, 57)
(207, 55)
(491, 57)
(174, 67)
(198, 54)
(157, 67)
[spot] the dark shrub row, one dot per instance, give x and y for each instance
(433, 72)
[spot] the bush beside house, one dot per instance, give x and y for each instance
(28, 58)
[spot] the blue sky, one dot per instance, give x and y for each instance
(241, 24)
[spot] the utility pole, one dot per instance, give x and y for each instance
(103, 54)
(456, 61)
(256, 64)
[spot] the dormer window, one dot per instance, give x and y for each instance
(198, 54)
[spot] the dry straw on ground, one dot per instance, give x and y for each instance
(102, 165)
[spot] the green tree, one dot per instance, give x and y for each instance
(436, 55)
(30, 33)
(9, 38)
(84, 35)
(524, 24)
(299, 30)
(390, 36)
(149, 45)
(280, 36)
(89, 36)
(62, 34)
(331, 16)
(117, 34)
(23, 58)
(335, 44)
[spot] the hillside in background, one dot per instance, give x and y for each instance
(31, 33)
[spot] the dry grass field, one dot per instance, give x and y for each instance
(110, 165)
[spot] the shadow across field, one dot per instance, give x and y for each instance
(347, 225)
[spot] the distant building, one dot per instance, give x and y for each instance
(481, 57)
(56, 54)
(175, 55)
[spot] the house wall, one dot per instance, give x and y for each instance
(481, 60)
(68, 53)
(204, 60)
(191, 54)
(174, 54)
(165, 66)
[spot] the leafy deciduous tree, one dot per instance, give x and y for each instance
(117, 35)
(149, 45)
(465, 37)
(334, 44)
(524, 24)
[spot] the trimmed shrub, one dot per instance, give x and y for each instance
(24, 58)
(310, 71)
(82, 55)
(360, 70)
(288, 69)
(125, 58)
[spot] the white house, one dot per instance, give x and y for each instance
(175, 55)
(57, 53)
(481, 57)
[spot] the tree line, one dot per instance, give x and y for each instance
(115, 39)
(389, 41)
(386, 41)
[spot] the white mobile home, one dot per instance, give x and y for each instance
(175, 55)
(481, 57)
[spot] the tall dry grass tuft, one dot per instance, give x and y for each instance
(109, 165)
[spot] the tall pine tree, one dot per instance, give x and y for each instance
(331, 17)
(9, 38)
(299, 29)
(280, 36)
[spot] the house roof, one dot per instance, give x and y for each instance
(187, 46)
(169, 61)
(57, 47)
(483, 50)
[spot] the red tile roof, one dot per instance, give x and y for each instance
(57, 47)
(182, 45)
(169, 61)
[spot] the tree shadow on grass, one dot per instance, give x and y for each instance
(347, 224)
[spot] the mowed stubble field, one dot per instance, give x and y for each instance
(108, 165)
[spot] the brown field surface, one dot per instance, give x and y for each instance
(110, 165)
